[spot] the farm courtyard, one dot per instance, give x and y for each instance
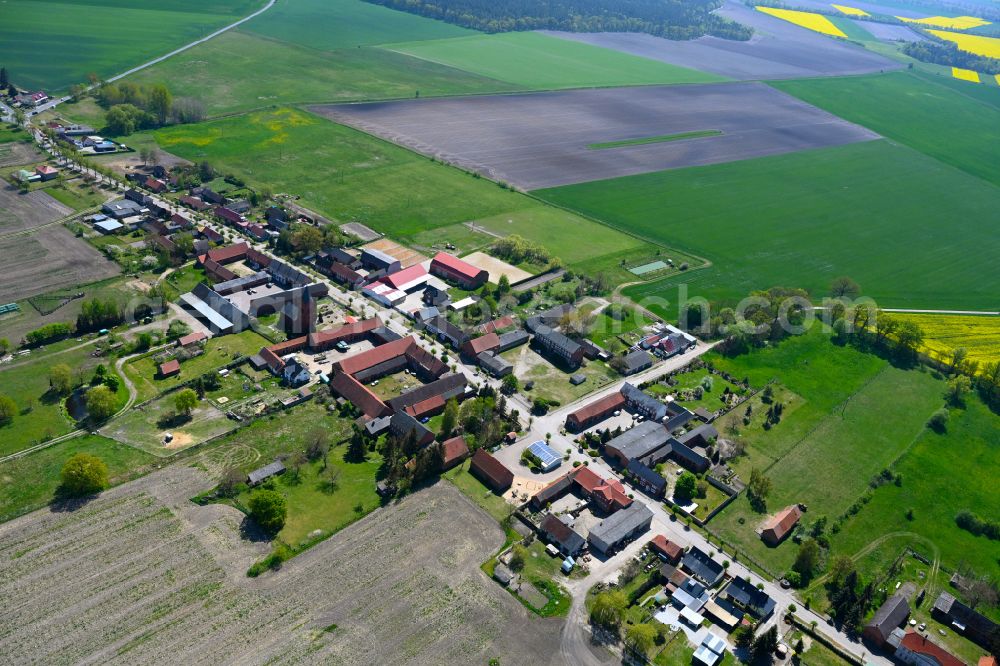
(142, 573)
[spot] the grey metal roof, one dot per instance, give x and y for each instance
(641, 440)
(495, 364)
(650, 406)
(646, 474)
(621, 523)
(205, 311)
(265, 472)
(890, 614)
(637, 360)
(512, 339)
(553, 339)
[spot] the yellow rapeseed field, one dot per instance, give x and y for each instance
(965, 74)
(952, 22)
(979, 335)
(850, 11)
(984, 46)
(809, 20)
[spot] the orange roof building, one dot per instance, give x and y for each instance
(780, 525)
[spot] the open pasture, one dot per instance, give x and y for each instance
(777, 50)
(340, 172)
(215, 72)
(871, 210)
(340, 24)
(143, 575)
(952, 122)
(543, 140)
(537, 61)
(52, 45)
(46, 259)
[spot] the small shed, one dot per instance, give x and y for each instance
(258, 476)
(170, 368)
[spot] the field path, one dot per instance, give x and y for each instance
(55, 102)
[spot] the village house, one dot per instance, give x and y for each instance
(620, 527)
(595, 412)
(556, 531)
(667, 550)
(454, 451)
(170, 368)
(916, 649)
(887, 618)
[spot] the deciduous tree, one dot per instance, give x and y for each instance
(84, 474)
(61, 378)
(608, 608)
(185, 401)
(101, 403)
(269, 509)
(8, 410)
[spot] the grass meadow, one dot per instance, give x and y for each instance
(42, 414)
(848, 416)
(873, 211)
(217, 73)
(539, 62)
(951, 121)
(340, 24)
(30, 482)
(52, 45)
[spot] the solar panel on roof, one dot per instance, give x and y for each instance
(546, 455)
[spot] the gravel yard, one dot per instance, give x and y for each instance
(142, 576)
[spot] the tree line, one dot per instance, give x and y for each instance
(948, 54)
(673, 19)
(131, 106)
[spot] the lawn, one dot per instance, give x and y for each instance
(218, 352)
(318, 508)
(860, 414)
(480, 495)
(146, 428)
(42, 415)
(10, 133)
(29, 483)
(539, 62)
(919, 110)
(711, 398)
(104, 37)
(802, 219)
(558, 231)
(607, 328)
(942, 475)
(216, 73)
(340, 172)
(337, 24)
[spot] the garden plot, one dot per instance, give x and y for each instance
(545, 140)
(777, 50)
(47, 259)
(27, 211)
(141, 575)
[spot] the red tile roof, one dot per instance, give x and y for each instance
(345, 332)
(191, 338)
(258, 257)
(919, 644)
(288, 346)
(455, 265)
(670, 549)
(613, 493)
(171, 367)
(988, 661)
(605, 405)
(488, 342)
(358, 395)
(454, 450)
(781, 523)
(273, 360)
(400, 279)
(372, 357)
(45, 170)
(224, 255)
(426, 406)
(497, 324)
(217, 270)
(588, 479)
(491, 470)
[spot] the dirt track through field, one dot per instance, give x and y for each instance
(26, 211)
(545, 139)
(142, 576)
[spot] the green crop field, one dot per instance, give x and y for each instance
(339, 24)
(30, 482)
(52, 45)
(216, 73)
(957, 124)
(856, 415)
(907, 228)
(540, 62)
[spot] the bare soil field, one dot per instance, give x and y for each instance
(777, 50)
(143, 576)
(888, 32)
(17, 153)
(47, 259)
(545, 140)
(26, 211)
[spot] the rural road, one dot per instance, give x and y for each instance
(51, 104)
